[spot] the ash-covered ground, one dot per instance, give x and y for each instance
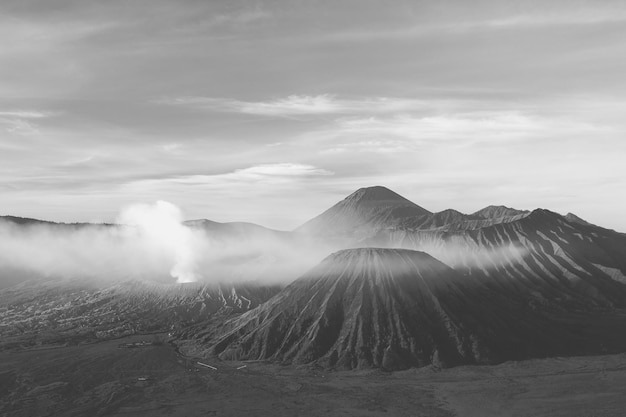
(103, 379)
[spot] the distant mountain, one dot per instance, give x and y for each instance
(371, 210)
(361, 212)
(235, 230)
(394, 309)
(25, 221)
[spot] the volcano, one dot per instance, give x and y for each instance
(358, 308)
(366, 209)
(393, 309)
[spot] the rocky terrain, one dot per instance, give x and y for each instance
(50, 312)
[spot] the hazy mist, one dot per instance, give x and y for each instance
(151, 242)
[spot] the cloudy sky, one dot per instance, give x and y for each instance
(271, 111)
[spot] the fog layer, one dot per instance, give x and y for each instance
(151, 242)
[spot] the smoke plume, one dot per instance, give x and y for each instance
(160, 227)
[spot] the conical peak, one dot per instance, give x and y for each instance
(377, 193)
(364, 212)
(379, 197)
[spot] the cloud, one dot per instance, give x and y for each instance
(588, 16)
(277, 170)
(170, 147)
(20, 122)
(24, 114)
(397, 133)
(456, 19)
(265, 173)
(241, 17)
(444, 127)
(19, 126)
(300, 105)
(380, 146)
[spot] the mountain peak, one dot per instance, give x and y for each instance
(377, 193)
(364, 212)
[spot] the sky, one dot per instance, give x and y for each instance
(272, 111)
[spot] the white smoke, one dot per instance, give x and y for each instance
(150, 242)
(160, 226)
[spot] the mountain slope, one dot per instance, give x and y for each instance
(584, 264)
(394, 309)
(358, 308)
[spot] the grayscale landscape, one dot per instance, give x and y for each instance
(319, 208)
(528, 310)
